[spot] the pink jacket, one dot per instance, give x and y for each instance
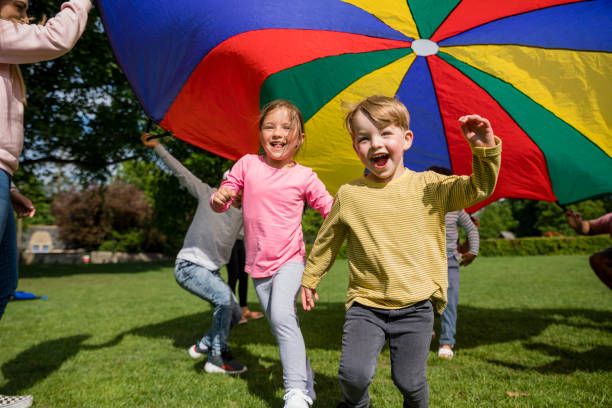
(24, 44)
(272, 207)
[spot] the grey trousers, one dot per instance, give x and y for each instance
(277, 295)
(366, 330)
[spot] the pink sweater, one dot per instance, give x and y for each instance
(272, 207)
(24, 44)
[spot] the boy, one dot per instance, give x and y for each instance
(393, 219)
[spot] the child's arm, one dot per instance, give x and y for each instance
(324, 251)
(194, 185)
(29, 43)
(458, 192)
(466, 223)
(317, 196)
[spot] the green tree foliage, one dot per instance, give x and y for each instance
(496, 217)
(80, 109)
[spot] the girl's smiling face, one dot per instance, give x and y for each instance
(14, 10)
(280, 138)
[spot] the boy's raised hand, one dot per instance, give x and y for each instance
(152, 143)
(221, 197)
(477, 130)
(308, 297)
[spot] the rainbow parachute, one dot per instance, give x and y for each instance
(539, 70)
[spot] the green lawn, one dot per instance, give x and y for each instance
(116, 336)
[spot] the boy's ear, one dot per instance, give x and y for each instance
(408, 136)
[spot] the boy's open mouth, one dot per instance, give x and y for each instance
(380, 160)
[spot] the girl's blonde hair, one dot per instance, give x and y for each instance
(296, 117)
(382, 110)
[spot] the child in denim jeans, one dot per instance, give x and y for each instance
(207, 247)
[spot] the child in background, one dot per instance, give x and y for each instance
(394, 221)
(236, 276)
(455, 257)
(274, 188)
(23, 43)
(207, 247)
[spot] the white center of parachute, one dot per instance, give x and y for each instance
(424, 47)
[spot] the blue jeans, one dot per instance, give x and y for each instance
(448, 320)
(8, 243)
(366, 329)
(209, 285)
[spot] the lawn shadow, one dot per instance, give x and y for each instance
(40, 361)
(479, 326)
(62, 270)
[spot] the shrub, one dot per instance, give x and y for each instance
(544, 246)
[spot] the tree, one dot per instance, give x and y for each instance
(117, 215)
(496, 217)
(173, 206)
(80, 109)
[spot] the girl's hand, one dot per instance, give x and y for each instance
(221, 197)
(308, 297)
(152, 143)
(477, 131)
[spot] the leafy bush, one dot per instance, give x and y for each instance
(116, 217)
(544, 246)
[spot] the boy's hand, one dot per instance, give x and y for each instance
(308, 297)
(221, 197)
(477, 130)
(152, 143)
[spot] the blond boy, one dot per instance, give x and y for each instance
(393, 220)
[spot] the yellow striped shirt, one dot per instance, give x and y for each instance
(396, 240)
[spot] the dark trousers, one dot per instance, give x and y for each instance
(236, 273)
(366, 329)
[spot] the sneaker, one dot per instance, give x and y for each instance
(21, 401)
(296, 398)
(196, 351)
(223, 364)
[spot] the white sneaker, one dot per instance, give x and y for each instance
(21, 401)
(296, 398)
(196, 352)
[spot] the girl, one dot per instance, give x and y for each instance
(22, 43)
(274, 188)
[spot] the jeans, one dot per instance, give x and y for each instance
(209, 285)
(8, 243)
(448, 320)
(365, 332)
(277, 295)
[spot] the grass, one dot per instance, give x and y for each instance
(116, 336)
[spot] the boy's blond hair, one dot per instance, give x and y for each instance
(382, 110)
